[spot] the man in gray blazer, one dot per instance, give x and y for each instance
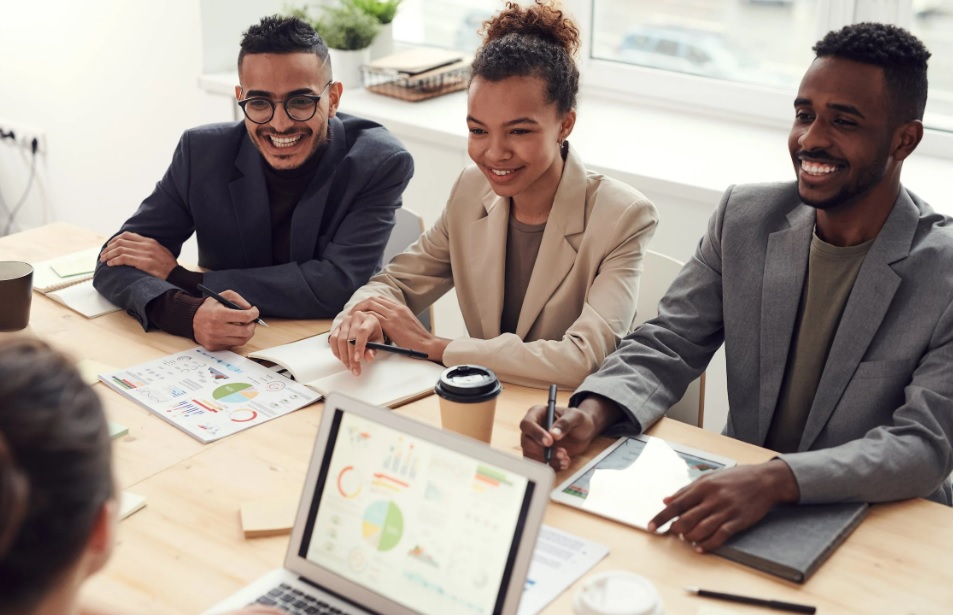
(291, 208)
(833, 296)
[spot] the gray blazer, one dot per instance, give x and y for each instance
(215, 187)
(881, 425)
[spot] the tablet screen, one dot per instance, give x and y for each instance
(624, 456)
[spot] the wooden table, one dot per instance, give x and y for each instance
(185, 550)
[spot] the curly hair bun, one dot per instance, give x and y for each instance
(542, 20)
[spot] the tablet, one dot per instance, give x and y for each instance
(628, 480)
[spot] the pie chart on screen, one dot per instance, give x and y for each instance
(235, 393)
(383, 525)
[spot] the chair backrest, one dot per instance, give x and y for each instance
(407, 229)
(657, 275)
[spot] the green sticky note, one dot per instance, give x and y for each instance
(116, 430)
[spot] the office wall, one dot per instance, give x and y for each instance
(112, 84)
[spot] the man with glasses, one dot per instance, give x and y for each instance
(291, 210)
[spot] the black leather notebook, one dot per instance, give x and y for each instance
(792, 541)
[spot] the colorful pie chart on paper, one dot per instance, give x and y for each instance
(235, 393)
(383, 525)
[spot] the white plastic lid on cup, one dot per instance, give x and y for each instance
(617, 592)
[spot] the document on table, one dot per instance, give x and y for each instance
(209, 395)
(559, 559)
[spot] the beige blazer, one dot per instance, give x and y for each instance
(581, 298)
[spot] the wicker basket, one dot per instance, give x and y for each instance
(417, 74)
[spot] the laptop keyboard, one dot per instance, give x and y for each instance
(297, 602)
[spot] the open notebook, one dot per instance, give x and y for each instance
(389, 380)
(68, 279)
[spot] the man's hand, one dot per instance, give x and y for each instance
(362, 327)
(143, 253)
(722, 503)
(573, 430)
(217, 327)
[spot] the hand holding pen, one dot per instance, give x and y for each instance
(407, 352)
(217, 327)
(550, 417)
(227, 303)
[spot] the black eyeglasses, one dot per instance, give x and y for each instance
(300, 108)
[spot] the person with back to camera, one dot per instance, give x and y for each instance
(291, 208)
(545, 256)
(58, 498)
(833, 296)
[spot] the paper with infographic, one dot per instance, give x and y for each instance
(559, 560)
(210, 395)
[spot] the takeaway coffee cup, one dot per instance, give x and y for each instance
(617, 592)
(16, 293)
(468, 400)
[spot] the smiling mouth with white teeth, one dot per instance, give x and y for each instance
(287, 141)
(502, 172)
(818, 168)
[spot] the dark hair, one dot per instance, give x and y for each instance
(536, 41)
(900, 54)
(278, 34)
(55, 469)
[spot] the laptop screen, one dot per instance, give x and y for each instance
(421, 524)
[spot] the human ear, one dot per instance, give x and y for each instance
(102, 538)
(906, 139)
(238, 92)
(566, 124)
(334, 97)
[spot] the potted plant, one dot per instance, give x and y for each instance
(348, 33)
(383, 11)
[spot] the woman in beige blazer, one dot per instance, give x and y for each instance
(545, 256)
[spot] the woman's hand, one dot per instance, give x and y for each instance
(402, 327)
(362, 327)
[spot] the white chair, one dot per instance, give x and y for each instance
(657, 275)
(408, 227)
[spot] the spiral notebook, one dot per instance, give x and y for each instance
(64, 271)
(68, 279)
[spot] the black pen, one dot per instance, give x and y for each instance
(550, 417)
(771, 604)
(413, 354)
(229, 304)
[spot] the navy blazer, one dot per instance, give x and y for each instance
(215, 187)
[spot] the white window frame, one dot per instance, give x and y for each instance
(746, 103)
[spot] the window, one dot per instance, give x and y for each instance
(444, 23)
(737, 57)
(748, 41)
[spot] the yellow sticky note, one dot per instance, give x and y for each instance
(90, 370)
(272, 517)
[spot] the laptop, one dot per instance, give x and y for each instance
(398, 517)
